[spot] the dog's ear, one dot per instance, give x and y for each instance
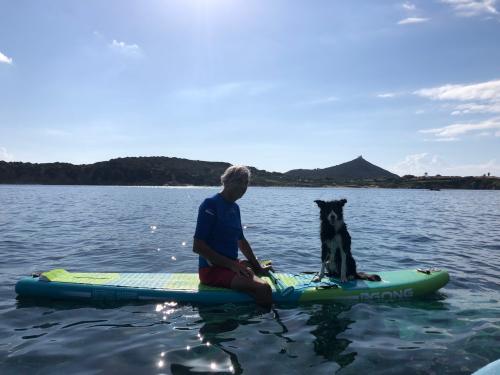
(343, 201)
(320, 203)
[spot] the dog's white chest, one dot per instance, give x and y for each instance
(335, 243)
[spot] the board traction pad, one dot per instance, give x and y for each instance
(167, 281)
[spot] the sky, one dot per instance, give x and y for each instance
(412, 86)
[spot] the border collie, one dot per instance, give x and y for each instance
(336, 257)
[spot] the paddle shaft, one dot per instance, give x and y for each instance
(280, 286)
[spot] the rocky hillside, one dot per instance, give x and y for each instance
(130, 171)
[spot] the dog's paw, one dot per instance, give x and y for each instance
(343, 279)
(316, 279)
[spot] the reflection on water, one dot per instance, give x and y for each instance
(219, 330)
(329, 324)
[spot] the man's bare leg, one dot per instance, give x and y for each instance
(256, 287)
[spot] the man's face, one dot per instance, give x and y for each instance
(237, 188)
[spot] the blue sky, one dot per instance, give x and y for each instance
(413, 86)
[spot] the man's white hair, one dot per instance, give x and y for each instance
(235, 173)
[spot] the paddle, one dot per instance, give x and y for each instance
(280, 285)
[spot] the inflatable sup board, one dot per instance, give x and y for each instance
(492, 368)
(185, 287)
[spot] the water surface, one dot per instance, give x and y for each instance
(145, 229)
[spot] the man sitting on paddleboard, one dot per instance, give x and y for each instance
(218, 236)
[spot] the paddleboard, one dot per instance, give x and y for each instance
(185, 287)
(492, 368)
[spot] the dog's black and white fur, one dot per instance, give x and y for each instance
(336, 256)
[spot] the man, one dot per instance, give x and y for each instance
(218, 237)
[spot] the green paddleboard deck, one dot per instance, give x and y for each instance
(186, 287)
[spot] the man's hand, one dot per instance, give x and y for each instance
(242, 270)
(263, 269)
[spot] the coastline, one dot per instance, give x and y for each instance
(175, 172)
(428, 183)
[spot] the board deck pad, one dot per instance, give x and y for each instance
(186, 287)
(168, 281)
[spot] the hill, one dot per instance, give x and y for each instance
(357, 169)
(154, 171)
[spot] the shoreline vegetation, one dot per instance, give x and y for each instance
(167, 171)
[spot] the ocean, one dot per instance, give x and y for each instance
(150, 229)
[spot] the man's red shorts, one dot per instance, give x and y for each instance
(217, 276)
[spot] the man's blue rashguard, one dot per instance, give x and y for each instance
(219, 225)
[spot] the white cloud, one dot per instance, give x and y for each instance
(453, 131)
(443, 139)
(467, 108)
(386, 95)
(470, 8)
(5, 59)
(419, 164)
(485, 97)
(412, 15)
(132, 50)
(489, 90)
(409, 6)
(226, 90)
(412, 20)
(4, 155)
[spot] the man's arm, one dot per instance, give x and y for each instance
(200, 247)
(247, 251)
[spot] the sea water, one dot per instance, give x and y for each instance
(148, 229)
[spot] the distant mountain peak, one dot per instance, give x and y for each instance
(356, 169)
